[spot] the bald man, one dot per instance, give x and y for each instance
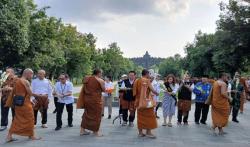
(23, 122)
(42, 91)
(6, 90)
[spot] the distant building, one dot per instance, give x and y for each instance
(147, 61)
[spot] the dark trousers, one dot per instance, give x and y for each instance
(60, 107)
(157, 107)
(235, 112)
(182, 118)
(44, 114)
(201, 109)
(125, 115)
(55, 102)
(5, 114)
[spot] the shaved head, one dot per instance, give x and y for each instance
(28, 73)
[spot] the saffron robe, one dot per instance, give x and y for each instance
(220, 106)
(23, 122)
(90, 99)
(146, 118)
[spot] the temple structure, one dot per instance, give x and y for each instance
(147, 61)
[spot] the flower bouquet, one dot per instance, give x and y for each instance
(4, 77)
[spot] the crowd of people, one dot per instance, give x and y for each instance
(26, 96)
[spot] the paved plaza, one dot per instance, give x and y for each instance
(117, 136)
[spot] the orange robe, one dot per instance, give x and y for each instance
(146, 118)
(90, 99)
(220, 107)
(23, 122)
(243, 94)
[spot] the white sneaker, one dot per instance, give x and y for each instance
(2, 128)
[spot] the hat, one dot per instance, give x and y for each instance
(124, 76)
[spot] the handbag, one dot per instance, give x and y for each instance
(18, 100)
(146, 100)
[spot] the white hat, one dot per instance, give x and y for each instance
(124, 76)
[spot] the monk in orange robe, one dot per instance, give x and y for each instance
(243, 81)
(146, 118)
(23, 123)
(220, 104)
(90, 99)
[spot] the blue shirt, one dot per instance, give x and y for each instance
(202, 90)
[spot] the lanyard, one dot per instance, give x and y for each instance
(62, 87)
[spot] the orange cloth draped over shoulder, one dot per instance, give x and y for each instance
(243, 94)
(90, 99)
(23, 123)
(146, 118)
(220, 107)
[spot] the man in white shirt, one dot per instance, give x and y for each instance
(42, 91)
(107, 96)
(157, 87)
(64, 92)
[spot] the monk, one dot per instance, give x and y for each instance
(23, 123)
(90, 100)
(243, 96)
(6, 90)
(146, 118)
(220, 104)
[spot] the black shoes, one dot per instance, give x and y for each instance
(235, 120)
(197, 123)
(54, 111)
(204, 123)
(109, 117)
(58, 128)
(70, 125)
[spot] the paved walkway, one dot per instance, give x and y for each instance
(117, 136)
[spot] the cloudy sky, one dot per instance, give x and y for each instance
(162, 27)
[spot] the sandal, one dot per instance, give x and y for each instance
(151, 136)
(84, 133)
(141, 135)
(11, 140)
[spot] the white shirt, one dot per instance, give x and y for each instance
(130, 81)
(63, 89)
(157, 87)
(42, 87)
(108, 85)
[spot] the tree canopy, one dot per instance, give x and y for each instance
(31, 38)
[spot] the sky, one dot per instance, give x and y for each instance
(161, 27)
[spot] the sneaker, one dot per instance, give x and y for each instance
(70, 125)
(131, 124)
(44, 126)
(186, 123)
(109, 117)
(124, 123)
(3, 128)
(58, 128)
(178, 123)
(197, 123)
(164, 124)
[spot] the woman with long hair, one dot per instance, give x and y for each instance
(169, 101)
